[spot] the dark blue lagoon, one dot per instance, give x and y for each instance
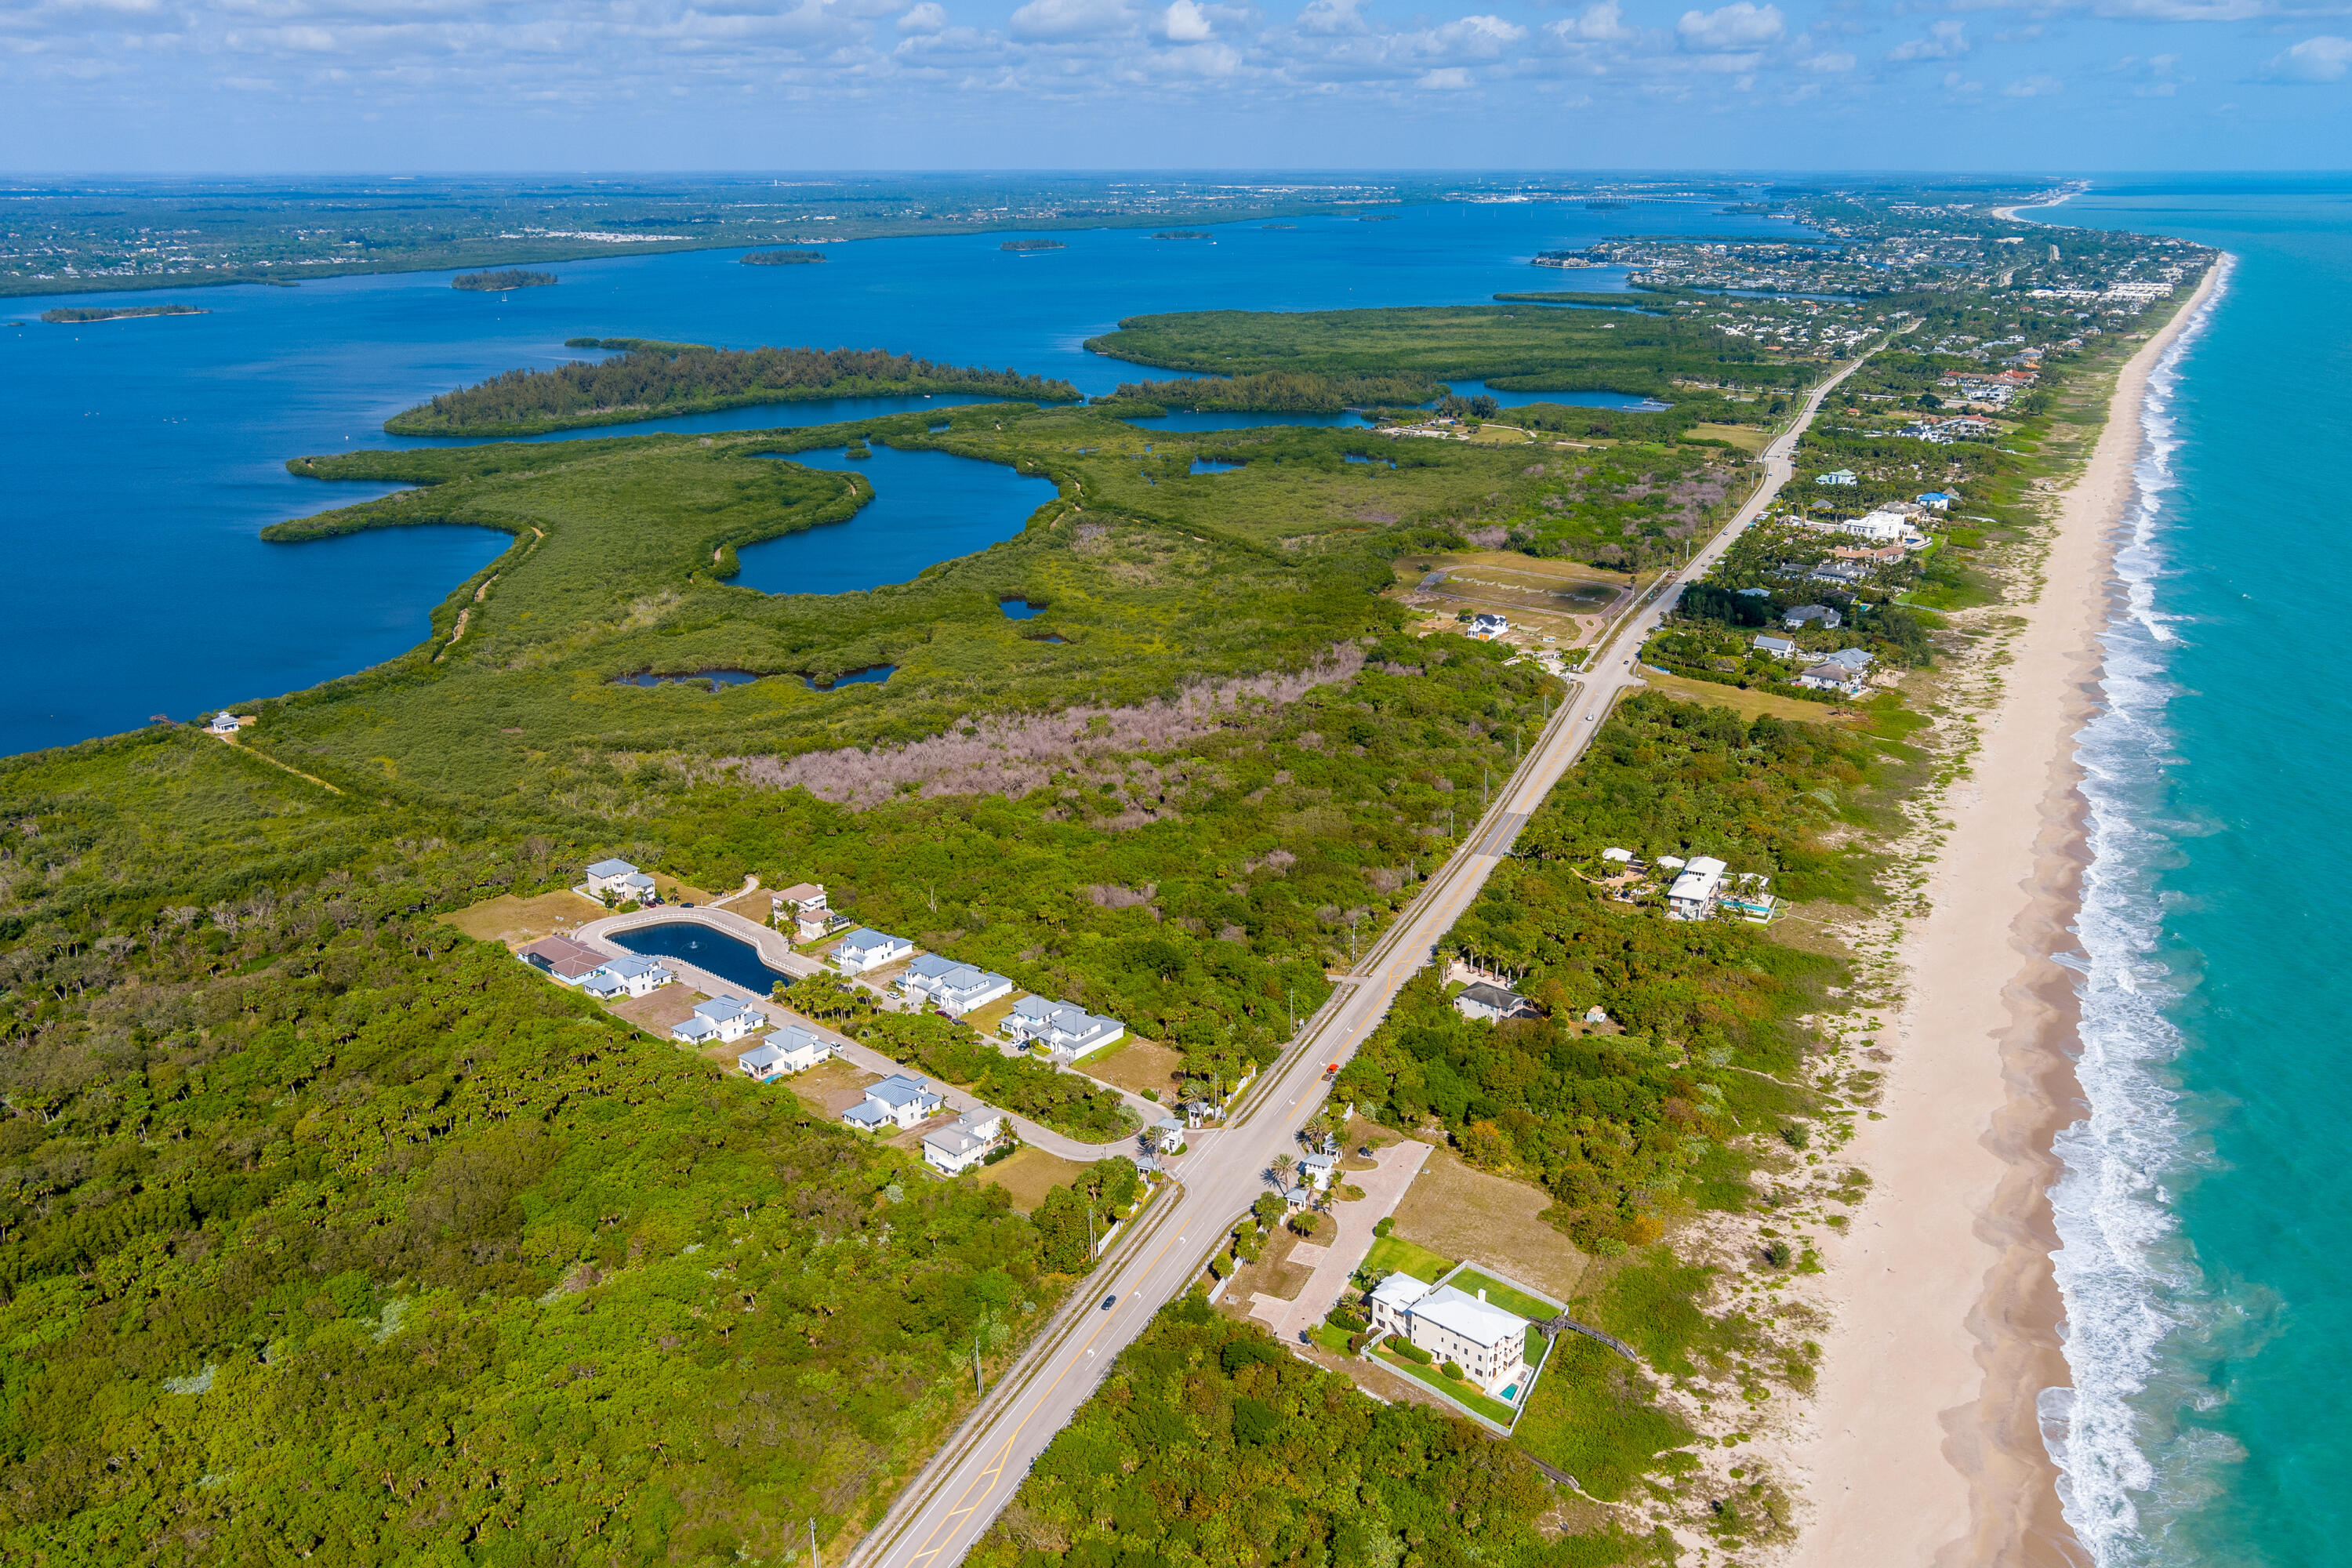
(872, 675)
(733, 961)
(928, 507)
(148, 455)
(1630, 401)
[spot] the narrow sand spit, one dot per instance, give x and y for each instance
(1924, 1447)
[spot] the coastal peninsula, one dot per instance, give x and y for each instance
(499, 282)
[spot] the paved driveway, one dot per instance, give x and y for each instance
(1336, 1261)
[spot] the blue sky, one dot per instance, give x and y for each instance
(450, 85)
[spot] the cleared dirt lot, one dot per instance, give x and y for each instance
(1490, 1221)
(1134, 1063)
(519, 920)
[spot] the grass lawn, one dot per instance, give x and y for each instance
(1330, 1338)
(1029, 1173)
(1590, 1415)
(1464, 1390)
(1393, 1254)
(1470, 1282)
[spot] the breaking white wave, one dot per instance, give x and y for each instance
(2121, 1270)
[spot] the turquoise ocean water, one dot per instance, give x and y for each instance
(2206, 1267)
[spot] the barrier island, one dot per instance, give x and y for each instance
(119, 312)
(652, 380)
(782, 258)
(1184, 233)
(499, 282)
(1032, 245)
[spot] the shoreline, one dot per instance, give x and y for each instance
(1924, 1444)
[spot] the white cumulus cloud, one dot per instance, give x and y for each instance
(2032, 87)
(1733, 28)
(1053, 21)
(1602, 23)
(1449, 78)
(1945, 41)
(2324, 58)
(928, 17)
(1186, 23)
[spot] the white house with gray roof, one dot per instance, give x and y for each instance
(1490, 1344)
(955, 988)
(953, 1150)
(721, 1018)
(631, 975)
(867, 949)
(789, 1049)
(897, 1101)
(1069, 1032)
(619, 880)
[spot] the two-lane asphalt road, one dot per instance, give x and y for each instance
(952, 1500)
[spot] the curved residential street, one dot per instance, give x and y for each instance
(952, 1500)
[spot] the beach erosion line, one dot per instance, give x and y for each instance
(1927, 1441)
(2122, 1275)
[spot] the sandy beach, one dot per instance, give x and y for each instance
(1924, 1446)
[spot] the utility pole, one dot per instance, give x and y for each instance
(977, 1386)
(1294, 1011)
(813, 1562)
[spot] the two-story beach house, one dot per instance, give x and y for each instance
(619, 882)
(1490, 1344)
(1692, 896)
(1492, 1004)
(954, 988)
(802, 906)
(630, 974)
(789, 1049)
(866, 949)
(1067, 1032)
(897, 1101)
(955, 1149)
(721, 1018)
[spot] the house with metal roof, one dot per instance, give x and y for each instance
(955, 988)
(789, 1049)
(1393, 1300)
(619, 882)
(1779, 648)
(897, 1101)
(1492, 1004)
(1067, 1032)
(719, 1019)
(631, 975)
(867, 949)
(955, 1149)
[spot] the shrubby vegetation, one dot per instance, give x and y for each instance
(782, 258)
(1279, 392)
(654, 379)
(1516, 348)
(1612, 1122)
(1211, 1444)
(362, 1236)
(498, 282)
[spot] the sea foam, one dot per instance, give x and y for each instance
(2127, 1279)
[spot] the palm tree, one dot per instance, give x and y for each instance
(1283, 1165)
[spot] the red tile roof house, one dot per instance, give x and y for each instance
(562, 957)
